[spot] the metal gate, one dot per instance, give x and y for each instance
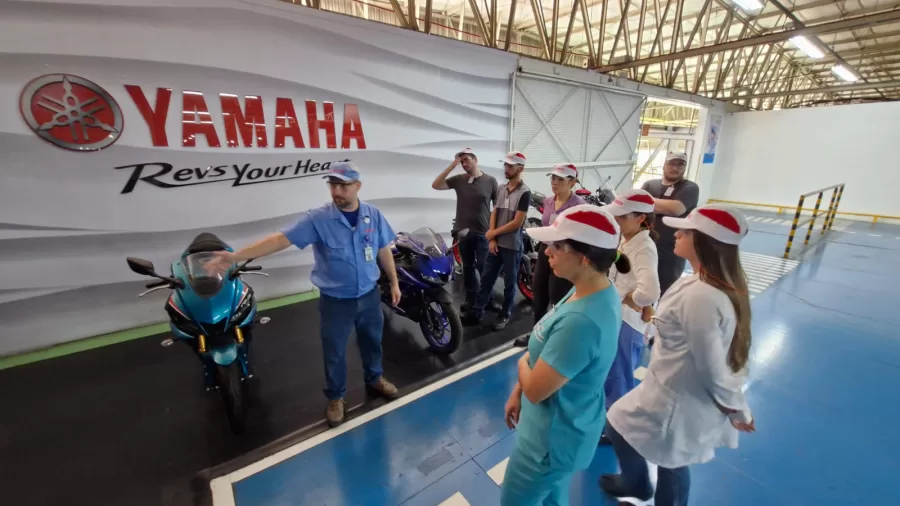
(557, 121)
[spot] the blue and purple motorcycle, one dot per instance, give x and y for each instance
(424, 265)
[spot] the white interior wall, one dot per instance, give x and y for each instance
(773, 157)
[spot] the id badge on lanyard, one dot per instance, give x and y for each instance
(669, 191)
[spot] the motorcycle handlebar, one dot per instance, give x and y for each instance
(252, 268)
(157, 284)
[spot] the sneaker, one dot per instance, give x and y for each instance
(614, 485)
(501, 323)
(334, 415)
(382, 388)
(494, 306)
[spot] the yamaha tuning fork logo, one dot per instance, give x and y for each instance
(71, 112)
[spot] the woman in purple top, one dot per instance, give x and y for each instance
(549, 289)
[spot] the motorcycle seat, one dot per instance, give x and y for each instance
(206, 243)
(581, 192)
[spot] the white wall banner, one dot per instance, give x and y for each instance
(144, 123)
(712, 138)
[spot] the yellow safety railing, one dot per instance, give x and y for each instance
(781, 208)
(836, 192)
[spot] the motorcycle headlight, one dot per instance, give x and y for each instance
(432, 278)
(243, 309)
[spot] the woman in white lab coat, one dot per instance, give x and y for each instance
(639, 288)
(691, 400)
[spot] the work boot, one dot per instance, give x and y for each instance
(334, 415)
(382, 388)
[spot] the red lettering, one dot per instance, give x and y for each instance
(327, 124)
(247, 121)
(352, 128)
(286, 124)
(155, 119)
(195, 120)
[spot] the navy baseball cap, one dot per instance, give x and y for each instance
(345, 171)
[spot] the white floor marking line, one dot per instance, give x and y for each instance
(875, 235)
(222, 493)
(351, 424)
(497, 472)
(640, 373)
(456, 499)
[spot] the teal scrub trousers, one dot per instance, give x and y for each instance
(530, 481)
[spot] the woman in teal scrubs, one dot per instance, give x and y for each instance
(558, 403)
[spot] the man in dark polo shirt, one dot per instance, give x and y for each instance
(675, 196)
(476, 192)
(504, 242)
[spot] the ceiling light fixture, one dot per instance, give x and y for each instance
(749, 5)
(844, 73)
(808, 47)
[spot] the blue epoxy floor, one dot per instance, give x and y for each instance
(826, 365)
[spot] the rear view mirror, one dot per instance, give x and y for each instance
(141, 266)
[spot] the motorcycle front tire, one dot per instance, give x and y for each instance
(232, 390)
(456, 328)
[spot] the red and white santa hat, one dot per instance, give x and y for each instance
(586, 223)
(722, 223)
(564, 170)
(634, 200)
(514, 158)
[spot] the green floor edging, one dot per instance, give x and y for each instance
(90, 343)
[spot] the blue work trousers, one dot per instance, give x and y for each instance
(673, 486)
(621, 380)
(506, 260)
(473, 250)
(338, 317)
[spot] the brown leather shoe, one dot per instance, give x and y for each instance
(334, 415)
(382, 388)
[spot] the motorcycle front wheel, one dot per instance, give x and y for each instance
(441, 327)
(232, 390)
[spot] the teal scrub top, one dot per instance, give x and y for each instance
(579, 340)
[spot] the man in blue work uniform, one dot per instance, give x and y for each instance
(347, 236)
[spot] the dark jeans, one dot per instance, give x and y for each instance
(547, 287)
(669, 268)
(337, 318)
(507, 260)
(473, 250)
(672, 485)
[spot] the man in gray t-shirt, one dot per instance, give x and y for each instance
(505, 242)
(476, 193)
(675, 196)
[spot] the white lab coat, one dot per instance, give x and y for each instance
(670, 418)
(643, 280)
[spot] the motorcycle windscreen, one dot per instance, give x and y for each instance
(431, 243)
(204, 274)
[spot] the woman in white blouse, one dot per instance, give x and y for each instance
(639, 288)
(691, 400)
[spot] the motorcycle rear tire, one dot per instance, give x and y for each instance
(525, 278)
(232, 390)
(456, 329)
